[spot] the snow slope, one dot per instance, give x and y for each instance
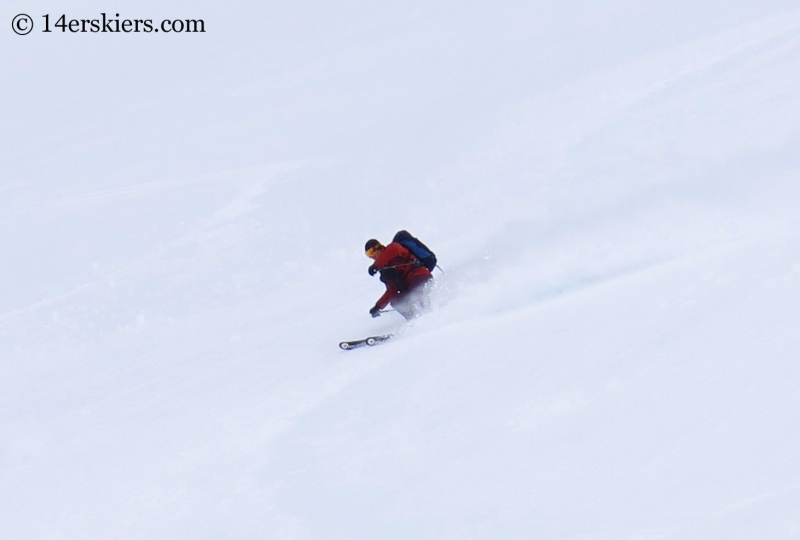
(612, 191)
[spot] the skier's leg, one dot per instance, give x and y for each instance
(404, 307)
(417, 297)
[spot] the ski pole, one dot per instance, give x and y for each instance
(398, 265)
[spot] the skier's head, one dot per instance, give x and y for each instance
(373, 248)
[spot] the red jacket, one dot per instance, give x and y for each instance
(400, 271)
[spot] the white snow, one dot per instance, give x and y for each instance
(612, 190)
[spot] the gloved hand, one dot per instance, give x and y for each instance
(372, 270)
(375, 312)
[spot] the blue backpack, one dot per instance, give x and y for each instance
(417, 248)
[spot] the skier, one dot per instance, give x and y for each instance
(405, 277)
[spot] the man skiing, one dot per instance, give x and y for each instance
(404, 276)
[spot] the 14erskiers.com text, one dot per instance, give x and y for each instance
(107, 24)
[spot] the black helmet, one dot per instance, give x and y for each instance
(371, 243)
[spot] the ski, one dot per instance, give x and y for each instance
(369, 341)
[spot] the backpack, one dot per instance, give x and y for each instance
(417, 248)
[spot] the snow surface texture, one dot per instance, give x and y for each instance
(611, 187)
